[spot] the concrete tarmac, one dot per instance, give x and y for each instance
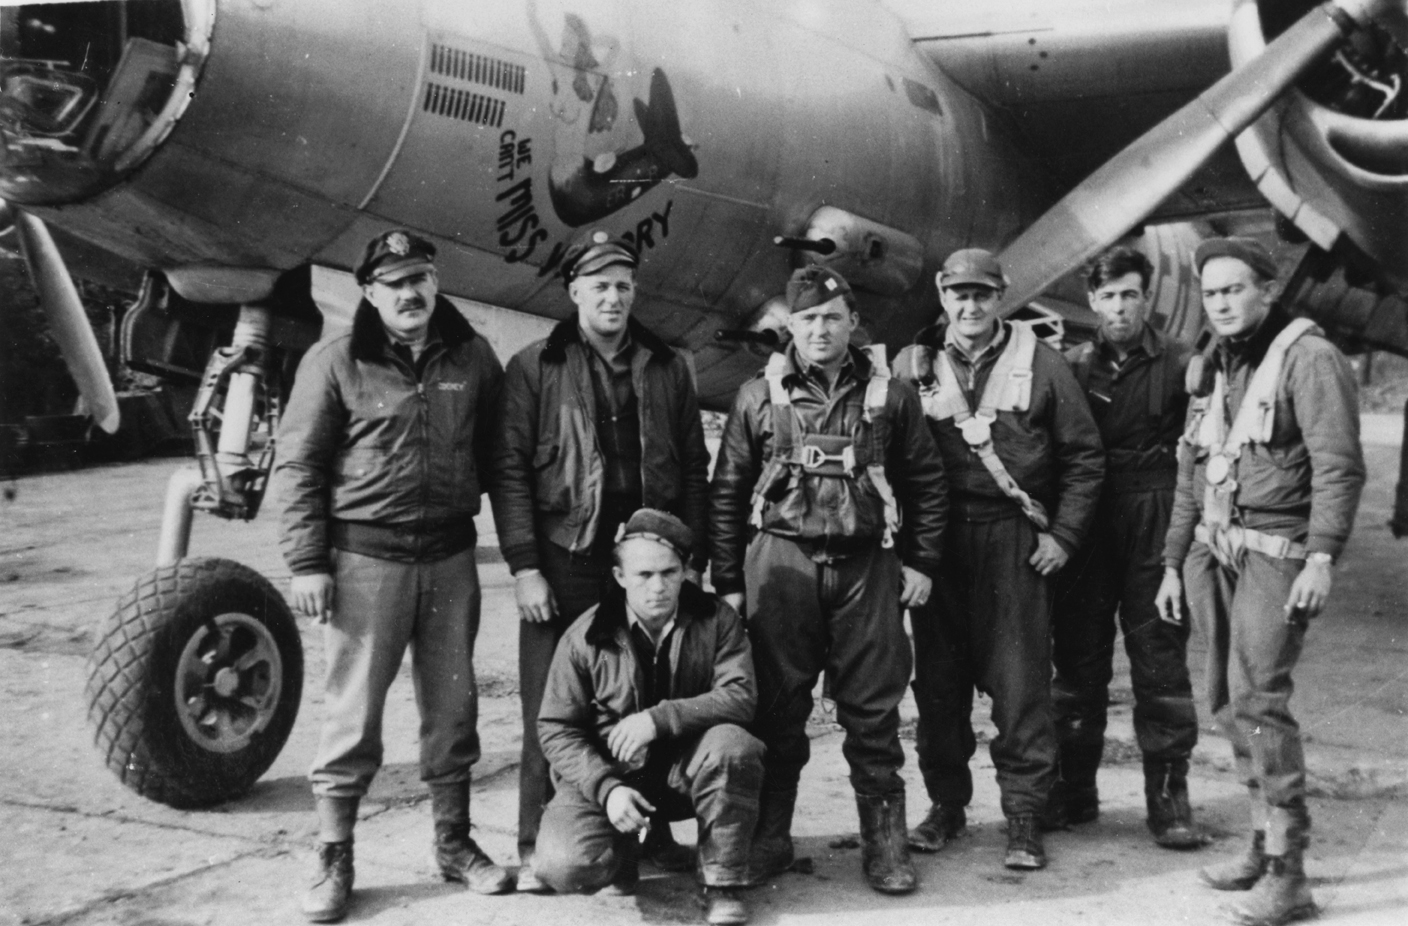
(79, 848)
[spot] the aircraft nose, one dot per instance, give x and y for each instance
(88, 90)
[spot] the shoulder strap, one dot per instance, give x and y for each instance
(879, 386)
(1009, 385)
(773, 372)
(945, 399)
(1256, 416)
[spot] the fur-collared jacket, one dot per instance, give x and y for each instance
(595, 681)
(380, 457)
(550, 472)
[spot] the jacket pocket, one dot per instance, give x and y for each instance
(549, 482)
(364, 485)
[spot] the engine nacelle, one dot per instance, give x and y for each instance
(1332, 155)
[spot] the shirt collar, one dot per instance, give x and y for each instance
(992, 347)
(618, 360)
(633, 621)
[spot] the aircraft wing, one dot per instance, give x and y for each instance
(1079, 80)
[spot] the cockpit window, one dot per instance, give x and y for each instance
(87, 89)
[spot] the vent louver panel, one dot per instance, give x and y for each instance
(464, 105)
(476, 69)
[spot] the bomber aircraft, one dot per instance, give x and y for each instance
(242, 151)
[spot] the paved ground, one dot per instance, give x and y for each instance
(79, 848)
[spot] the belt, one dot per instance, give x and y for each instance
(1238, 538)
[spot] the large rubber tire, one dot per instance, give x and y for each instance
(194, 682)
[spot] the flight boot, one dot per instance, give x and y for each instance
(627, 877)
(1074, 798)
(330, 895)
(457, 857)
(661, 850)
(1025, 851)
(725, 906)
(1283, 893)
(885, 844)
(772, 852)
(1244, 871)
(942, 824)
(1170, 816)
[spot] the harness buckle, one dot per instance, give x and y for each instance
(1218, 469)
(976, 431)
(813, 457)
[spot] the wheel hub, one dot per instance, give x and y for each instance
(228, 682)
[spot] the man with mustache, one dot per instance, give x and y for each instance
(383, 453)
(597, 420)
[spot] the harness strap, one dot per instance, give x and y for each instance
(1255, 421)
(789, 451)
(877, 392)
(1009, 387)
(1229, 543)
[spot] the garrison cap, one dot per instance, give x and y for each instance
(595, 253)
(661, 527)
(812, 285)
(1248, 250)
(393, 256)
(972, 266)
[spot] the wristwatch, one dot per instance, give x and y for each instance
(1320, 559)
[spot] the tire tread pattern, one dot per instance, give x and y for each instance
(120, 686)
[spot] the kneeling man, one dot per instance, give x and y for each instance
(644, 712)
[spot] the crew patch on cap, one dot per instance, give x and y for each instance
(597, 252)
(393, 256)
(812, 285)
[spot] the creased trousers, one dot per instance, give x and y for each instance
(380, 607)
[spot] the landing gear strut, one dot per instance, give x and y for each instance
(196, 678)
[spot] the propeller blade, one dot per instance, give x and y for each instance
(1132, 184)
(67, 321)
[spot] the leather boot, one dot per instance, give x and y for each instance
(1170, 816)
(331, 891)
(942, 824)
(457, 857)
(661, 850)
(1283, 893)
(885, 844)
(627, 877)
(1025, 851)
(1242, 872)
(1069, 805)
(772, 851)
(1074, 798)
(528, 881)
(327, 900)
(724, 906)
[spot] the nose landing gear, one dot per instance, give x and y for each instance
(196, 678)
